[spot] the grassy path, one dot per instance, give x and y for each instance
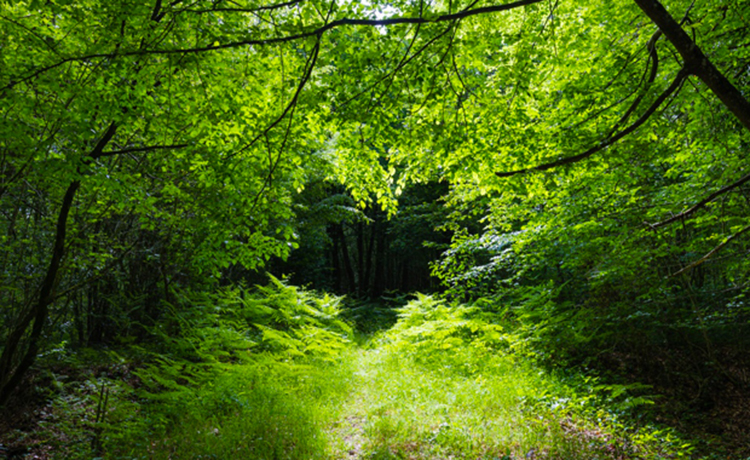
(459, 407)
(347, 436)
(397, 409)
(441, 383)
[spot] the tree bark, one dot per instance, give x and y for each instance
(379, 281)
(347, 261)
(360, 258)
(12, 376)
(337, 278)
(367, 288)
(696, 62)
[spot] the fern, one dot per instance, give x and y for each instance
(428, 327)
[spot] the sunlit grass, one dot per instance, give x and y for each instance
(405, 410)
(277, 411)
(375, 402)
(432, 388)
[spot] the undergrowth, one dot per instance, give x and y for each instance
(445, 382)
(252, 378)
(241, 373)
(274, 373)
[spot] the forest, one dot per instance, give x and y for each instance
(376, 230)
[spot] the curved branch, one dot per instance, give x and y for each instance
(245, 10)
(679, 79)
(711, 252)
(31, 32)
(10, 377)
(309, 65)
(406, 59)
(654, 56)
(702, 203)
(150, 148)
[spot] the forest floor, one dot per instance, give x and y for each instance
(414, 392)
(387, 406)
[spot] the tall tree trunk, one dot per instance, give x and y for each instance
(347, 262)
(368, 260)
(379, 283)
(338, 282)
(12, 375)
(360, 259)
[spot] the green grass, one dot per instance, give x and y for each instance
(444, 383)
(277, 411)
(375, 402)
(403, 410)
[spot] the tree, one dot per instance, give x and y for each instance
(366, 252)
(152, 141)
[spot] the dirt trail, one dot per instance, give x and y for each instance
(350, 435)
(347, 436)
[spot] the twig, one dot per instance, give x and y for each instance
(703, 202)
(711, 252)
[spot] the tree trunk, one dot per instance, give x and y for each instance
(347, 262)
(360, 259)
(696, 63)
(10, 373)
(378, 284)
(367, 288)
(337, 278)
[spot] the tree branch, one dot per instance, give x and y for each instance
(679, 79)
(98, 275)
(246, 10)
(142, 149)
(406, 59)
(696, 62)
(292, 105)
(10, 377)
(98, 149)
(316, 31)
(654, 59)
(702, 203)
(711, 252)
(309, 65)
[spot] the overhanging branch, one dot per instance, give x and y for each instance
(150, 148)
(238, 9)
(309, 66)
(679, 79)
(696, 62)
(703, 202)
(712, 251)
(315, 31)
